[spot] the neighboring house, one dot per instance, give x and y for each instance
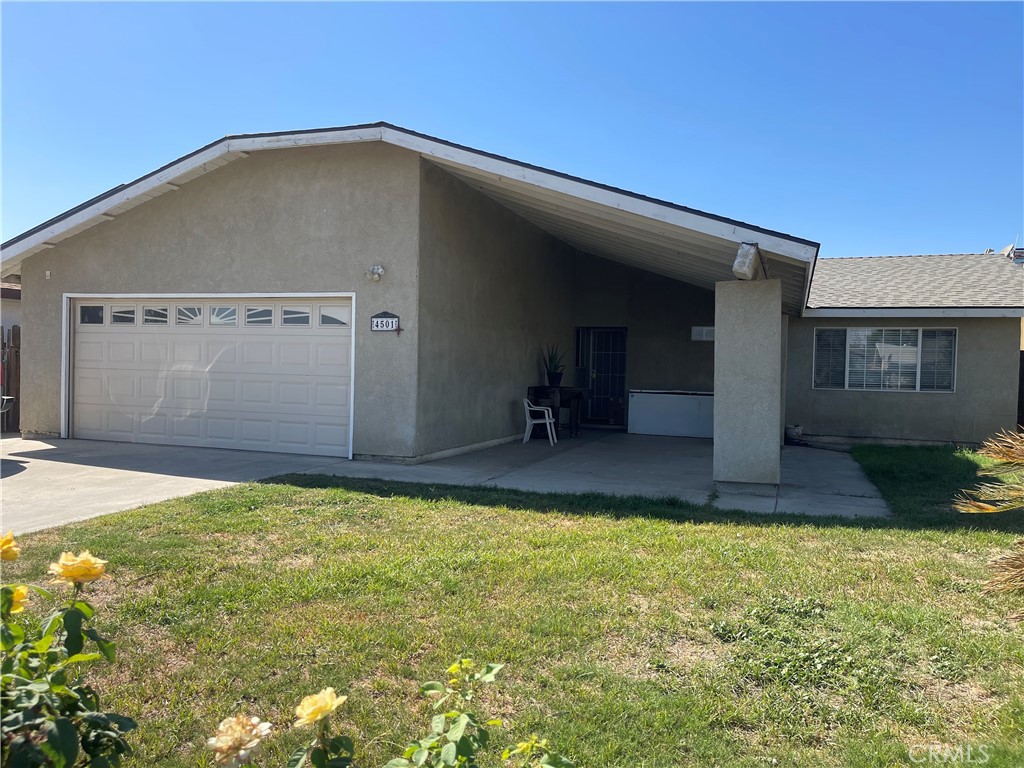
(373, 292)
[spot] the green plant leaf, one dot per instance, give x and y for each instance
(419, 757)
(61, 744)
(40, 591)
(73, 640)
(86, 608)
(298, 758)
(318, 758)
(80, 658)
(448, 754)
(489, 672)
(458, 727)
(340, 744)
(10, 635)
(437, 724)
(398, 762)
(106, 647)
(432, 686)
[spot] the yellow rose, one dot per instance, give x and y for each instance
(9, 550)
(236, 739)
(317, 706)
(78, 569)
(19, 598)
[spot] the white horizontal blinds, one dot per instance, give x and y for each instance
(883, 358)
(830, 358)
(938, 359)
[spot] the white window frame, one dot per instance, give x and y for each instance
(917, 386)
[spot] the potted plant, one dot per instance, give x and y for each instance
(553, 365)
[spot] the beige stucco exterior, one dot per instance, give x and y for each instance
(494, 291)
(749, 345)
(295, 220)
(480, 291)
(984, 402)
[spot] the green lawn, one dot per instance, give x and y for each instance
(636, 633)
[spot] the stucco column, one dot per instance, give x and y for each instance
(748, 385)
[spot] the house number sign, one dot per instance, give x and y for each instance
(385, 321)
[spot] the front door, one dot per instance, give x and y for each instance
(601, 354)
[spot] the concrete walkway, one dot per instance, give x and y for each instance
(48, 483)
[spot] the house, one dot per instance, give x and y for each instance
(369, 291)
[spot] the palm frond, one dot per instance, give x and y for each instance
(1007, 449)
(1008, 571)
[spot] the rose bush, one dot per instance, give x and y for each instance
(49, 716)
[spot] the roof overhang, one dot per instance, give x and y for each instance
(915, 312)
(655, 235)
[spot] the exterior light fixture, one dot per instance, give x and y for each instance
(374, 273)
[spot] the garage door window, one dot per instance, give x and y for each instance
(122, 315)
(295, 315)
(224, 316)
(333, 315)
(90, 314)
(259, 315)
(154, 315)
(189, 316)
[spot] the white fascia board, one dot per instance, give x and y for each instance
(783, 247)
(713, 227)
(916, 312)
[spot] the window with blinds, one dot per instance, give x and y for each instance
(885, 359)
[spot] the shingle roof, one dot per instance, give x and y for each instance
(949, 280)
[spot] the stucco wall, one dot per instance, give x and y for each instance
(658, 313)
(300, 219)
(985, 400)
(748, 382)
(494, 290)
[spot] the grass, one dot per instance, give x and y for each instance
(636, 632)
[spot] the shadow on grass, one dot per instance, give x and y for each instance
(603, 505)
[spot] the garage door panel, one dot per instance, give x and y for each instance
(268, 388)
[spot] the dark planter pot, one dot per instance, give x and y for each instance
(554, 379)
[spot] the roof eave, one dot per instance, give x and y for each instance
(96, 210)
(854, 312)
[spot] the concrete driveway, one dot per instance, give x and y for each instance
(52, 482)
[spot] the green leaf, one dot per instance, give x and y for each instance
(437, 724)
(318, 757)
(52, 624)
(298, 758)
(419, 757)
(489, 672)
(106, 647)
(80, 658)
(340, 744)
(61, 744)
(123, 722)
(433, 686)
(448, 755)
(73, 641)
(41, 592)
(10, 635)
(555, 760)
(86, 608)
(398, 762)
(458, 728)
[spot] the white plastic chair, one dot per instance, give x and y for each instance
(544, 418)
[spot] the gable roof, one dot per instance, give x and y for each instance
(657, 235)
(970, 283)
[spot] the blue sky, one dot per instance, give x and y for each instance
(872, 128)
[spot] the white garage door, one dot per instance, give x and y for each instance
(253, 374)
